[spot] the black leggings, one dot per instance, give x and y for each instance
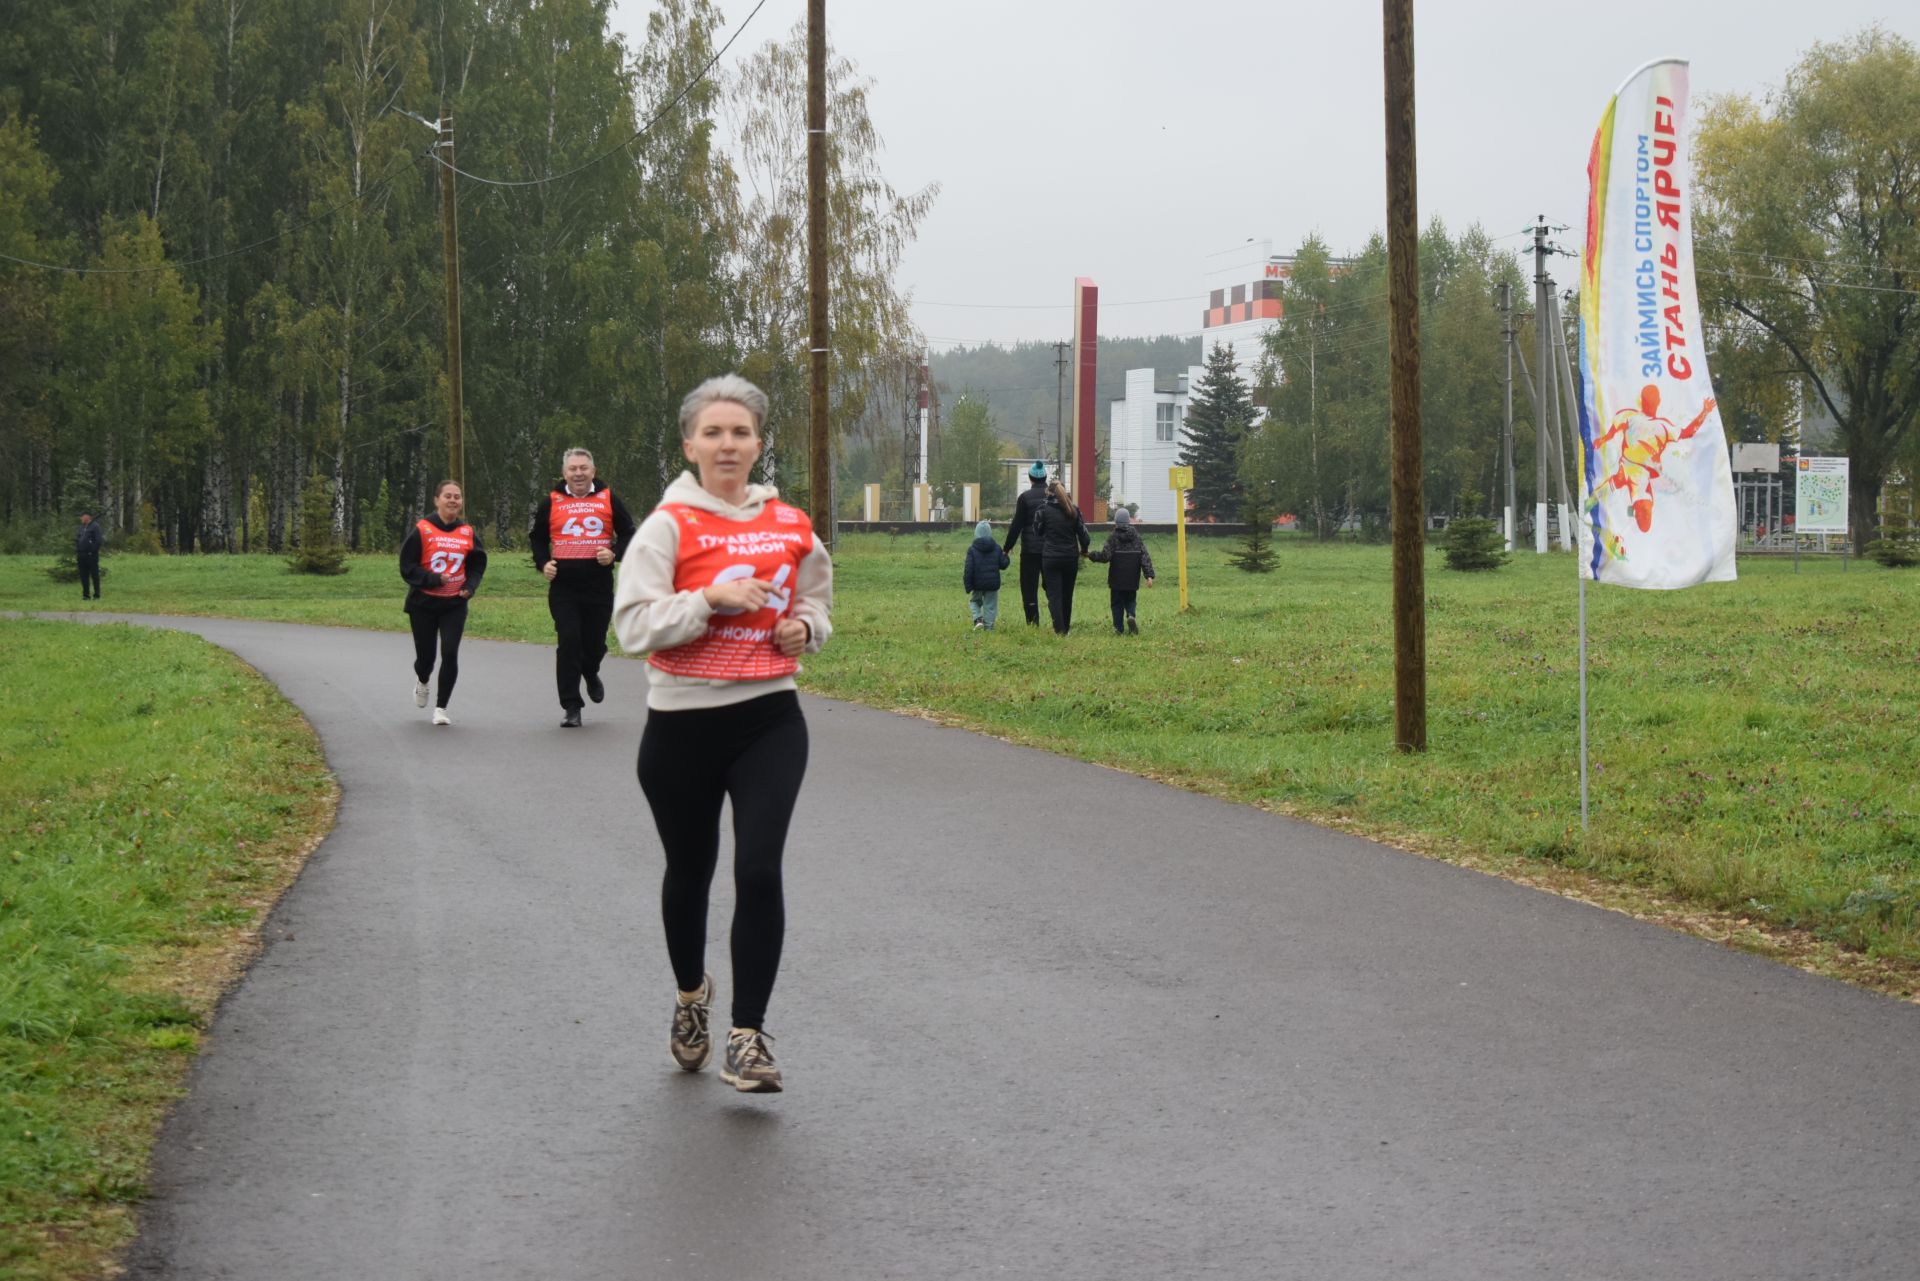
(443, 625)
(1030, 585)
(754, 754)
(1059, 573)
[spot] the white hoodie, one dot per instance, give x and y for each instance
(648, 614)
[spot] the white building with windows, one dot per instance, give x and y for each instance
(1144, 431)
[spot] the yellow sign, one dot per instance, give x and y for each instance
(1180, 478)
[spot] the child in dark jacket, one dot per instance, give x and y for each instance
(981, 577)
(1127, 562)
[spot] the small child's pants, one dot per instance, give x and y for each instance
(1122, 607)
(985, 607)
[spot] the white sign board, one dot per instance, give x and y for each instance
(1820, 496)
(1748, 457)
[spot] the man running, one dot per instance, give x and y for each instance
(1634, 462)
(579, 531)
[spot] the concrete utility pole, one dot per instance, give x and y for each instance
(1060, 350)
(1570, 411)
(819, 449)
(1403, 355)
(1506, 431)
(1542, 411)
(450, 248)
(924, 399)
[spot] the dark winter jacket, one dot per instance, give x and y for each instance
(586, 577)
(1062, 537)
(1126, 559)
(87, 539)
(1026, 515)
(985, 560)
(419, 577)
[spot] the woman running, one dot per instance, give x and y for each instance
(442, 561)
(726, 586)
(1063, 541)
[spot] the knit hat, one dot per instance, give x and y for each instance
(1038, 471)
(983, 530)
(1122, 517)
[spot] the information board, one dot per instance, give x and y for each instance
(1820, 496)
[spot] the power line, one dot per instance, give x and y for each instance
(638, 134)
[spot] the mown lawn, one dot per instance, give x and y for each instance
(157, 796)
(1753, 743)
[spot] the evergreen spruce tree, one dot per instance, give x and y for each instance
(1898, 546)
(1217, 416)
(1472, 541)
(320, 551)
(1257, 510)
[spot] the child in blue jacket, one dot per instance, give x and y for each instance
(981, 577)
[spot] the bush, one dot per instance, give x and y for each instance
(319, 550)
(1473, 542)
(67, 570)
(1898, 546)
(142, 542)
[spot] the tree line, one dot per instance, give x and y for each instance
(240, 292)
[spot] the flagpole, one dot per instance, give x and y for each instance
(1583, 698)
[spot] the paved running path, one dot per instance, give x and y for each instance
(1038, 1019)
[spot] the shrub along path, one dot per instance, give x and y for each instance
(1038, 1017)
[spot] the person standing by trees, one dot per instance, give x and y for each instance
(727, 587)
(1025, 529)
(1063, 541)
(443, 562)
(579, 531)
(86, 554)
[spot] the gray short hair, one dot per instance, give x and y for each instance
(575, 452)
(725, 388)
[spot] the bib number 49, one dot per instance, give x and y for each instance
(583, 527)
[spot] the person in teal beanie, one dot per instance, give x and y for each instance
(981, 577)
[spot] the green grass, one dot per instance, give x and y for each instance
(1753, 744)
(157, 795)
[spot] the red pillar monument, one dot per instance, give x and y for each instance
(1086, 343)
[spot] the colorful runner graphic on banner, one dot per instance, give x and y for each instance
(1656, 490)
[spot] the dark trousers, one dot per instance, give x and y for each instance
(89, 563)
(754, 754)
(438, 625)
(1058, 573)
(1122, 607)
(1030, 585)
(580, 623)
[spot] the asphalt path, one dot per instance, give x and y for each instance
(1037, 1018)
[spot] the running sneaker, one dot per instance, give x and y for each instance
(595, 690)
(689, 1042)
(440, 716)
(1133, 625)
(749, 1064)
(571, 720)
(420, 693)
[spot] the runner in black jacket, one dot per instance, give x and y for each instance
(1026, 510)
(580, 531)
(440, 579)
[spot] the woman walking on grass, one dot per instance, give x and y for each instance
(1063, 541)
(727, 587)
(442, 561)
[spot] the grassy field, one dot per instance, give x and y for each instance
(158, 795)
(1753, 744)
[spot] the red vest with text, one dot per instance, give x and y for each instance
(713, 550)
(577, 528)
(445, 552)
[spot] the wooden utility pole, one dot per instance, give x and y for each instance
(1403, 355)
(450, 245)
(820, 450)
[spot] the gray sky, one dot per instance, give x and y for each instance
(1209, 123)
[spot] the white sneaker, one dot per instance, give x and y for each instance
(420, 694)
(440, 716)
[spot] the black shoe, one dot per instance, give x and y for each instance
(595, 690)
(571, 720)
(1133, 625)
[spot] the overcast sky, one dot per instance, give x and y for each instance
(1128, 140)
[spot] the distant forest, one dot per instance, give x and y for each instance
(1019, 382)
